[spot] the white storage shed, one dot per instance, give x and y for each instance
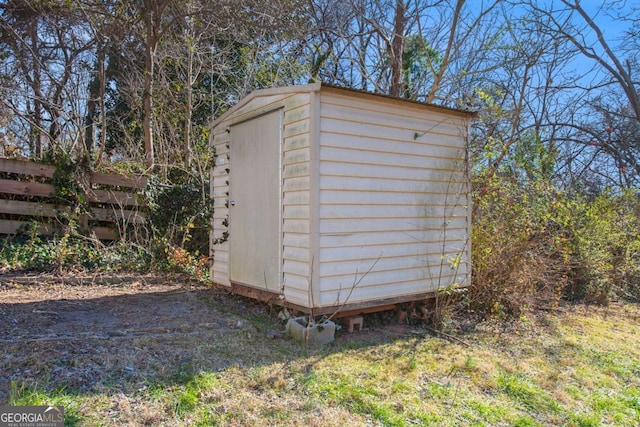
(330, 199)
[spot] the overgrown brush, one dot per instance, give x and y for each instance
(175, 236)
(605, 240)
(180, 213)
(67, 252)
(534, 245)
(76, 253)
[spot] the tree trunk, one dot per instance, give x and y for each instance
(153, 12)
(189, 100)
(447, 55)
(103, 110)
(36, 132)
(147, 93)
(147, 122)
(89, 123)
(397, 46)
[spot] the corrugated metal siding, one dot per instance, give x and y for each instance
(393, 199)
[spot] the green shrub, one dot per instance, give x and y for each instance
(70, 253)
(605, 243)
(519, 255)
(180, 215)
(175, 235)
(533, 245)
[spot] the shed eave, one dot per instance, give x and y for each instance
(426, 105)
(315, 87)
(312, 87)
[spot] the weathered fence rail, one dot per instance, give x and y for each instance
(27, 193)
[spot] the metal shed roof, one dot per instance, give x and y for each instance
(314, 87)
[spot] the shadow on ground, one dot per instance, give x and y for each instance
(96, 338)
(75, 339)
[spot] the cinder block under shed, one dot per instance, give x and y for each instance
(336, 200)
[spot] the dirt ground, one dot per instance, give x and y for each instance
(124, 334)
(88, 334)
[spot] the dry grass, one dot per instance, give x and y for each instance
(576, 366)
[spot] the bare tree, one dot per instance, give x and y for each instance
(104, 20)
(153, 16)
(396, 48)
(47, 45)
(448, 51)
(601, 103)
(379, 45)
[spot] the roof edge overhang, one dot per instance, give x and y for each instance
(457, 111)
(312, 87)
(316, 87)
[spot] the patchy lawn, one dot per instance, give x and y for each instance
(154, 352)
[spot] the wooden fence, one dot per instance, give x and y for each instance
(27, 193)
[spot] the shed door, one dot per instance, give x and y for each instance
(255, 200)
